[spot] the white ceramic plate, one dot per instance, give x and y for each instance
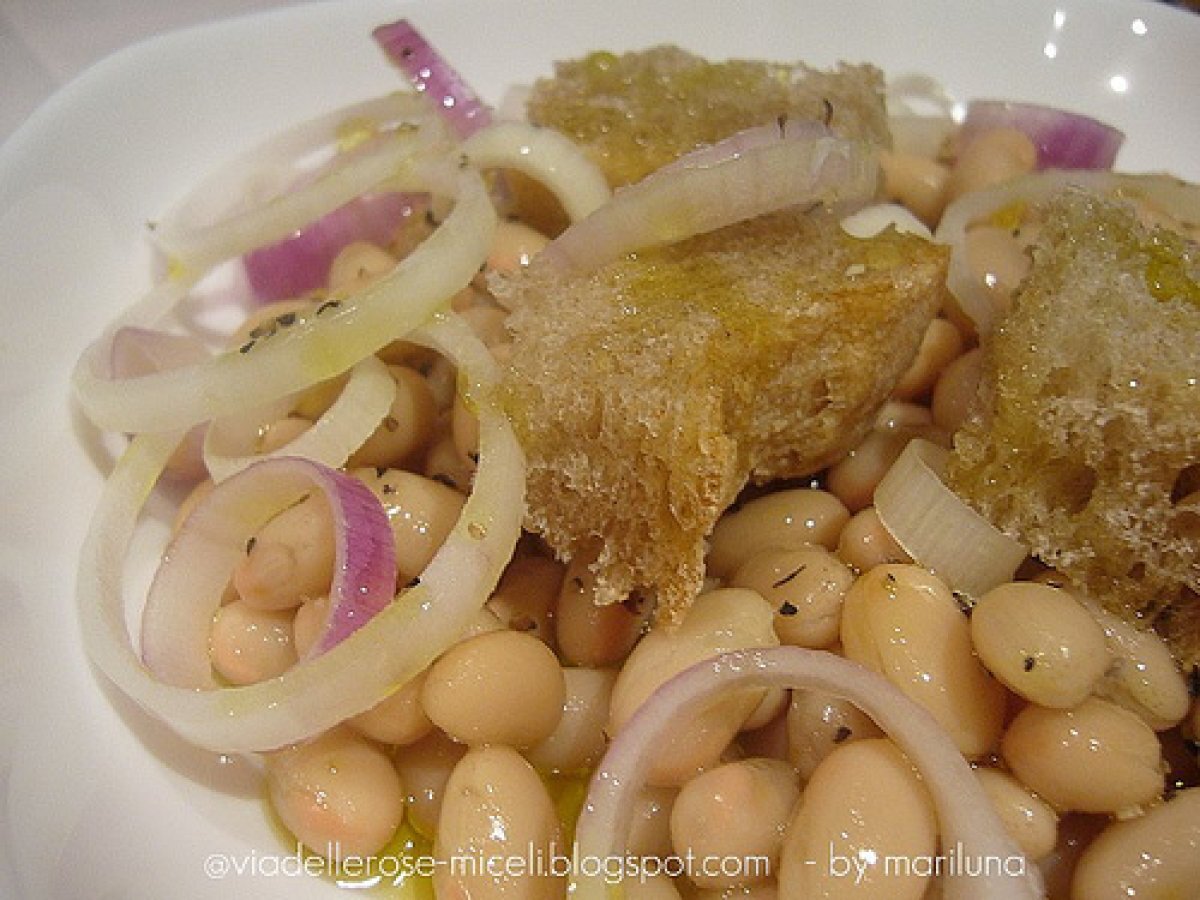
(99, 802)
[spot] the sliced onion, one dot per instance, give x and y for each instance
(300, 263)
(141, 351)
(1064, 140)
(229, 443)
(138, 351)
(938, 529)
(363, 668)
(188, 586)
(378, 166)
(966, 818)
(744, 176)
(433, 76)
(546, 156)
(322, 346)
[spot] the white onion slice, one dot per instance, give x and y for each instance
(330, 440)
(273, 169)
(546, 156)
(188, 586)
(372, 167)
(361, 670)
(966, 817)
(322, 346)
(747, 175)
(938, 529)
(1178, 199)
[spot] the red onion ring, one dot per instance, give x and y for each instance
(1064, 140)
(965, 815)
(300, 263)
(433, 76)
(187, 588)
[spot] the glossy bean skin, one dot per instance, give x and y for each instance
(1097, 757)
(916, 181)
(397, 719)
(818, 723)
(502, 687)
(903, 622)
(941, 344)
(998, 260)
(525, 598)
(578, 741)
(718, 621)
(338, 794)
(424, 769)
(589, 633)
(854, 477)
(863, 803)
(995, 155)
(309, 623)
(249, 645)
(1040, 642)
(421, 512)
(495, 809)
(805, 587)
(408, 426)
(955, 390)
(864, 543)
(290, 559)
(787, 519)
(1150, 856)
(1028, 819)
(736, 811)
(1144, 676)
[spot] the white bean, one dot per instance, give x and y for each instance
(864, 543)
(718, 621)
(338, 794)
(787, 519)
(954, 393)
(503, 687)
(818, 723)
(902, 621)
(734, 813)
(408, 426)
(1028, 819)
(421, 512)
(495, 810)
(650, 822)
(290, 559)
(805, 587)
(864, 805)
(589, 633)
(940, 345)
(424, 769)
(525, 597)
(1040, 642)
(1097, 757)
(397, 719)
(248, 645)
(1153, 855)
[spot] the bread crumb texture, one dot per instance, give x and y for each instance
(649, 392)
(1084, 440)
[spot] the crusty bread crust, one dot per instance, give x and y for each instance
(1084, 442)
(647, 393)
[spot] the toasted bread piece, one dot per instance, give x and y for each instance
(636, 112)
(648, 392)
(1085, 441)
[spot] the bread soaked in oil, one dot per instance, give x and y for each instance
(1085, 442)
(649, 392)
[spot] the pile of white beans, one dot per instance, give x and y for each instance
(1075, 722)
